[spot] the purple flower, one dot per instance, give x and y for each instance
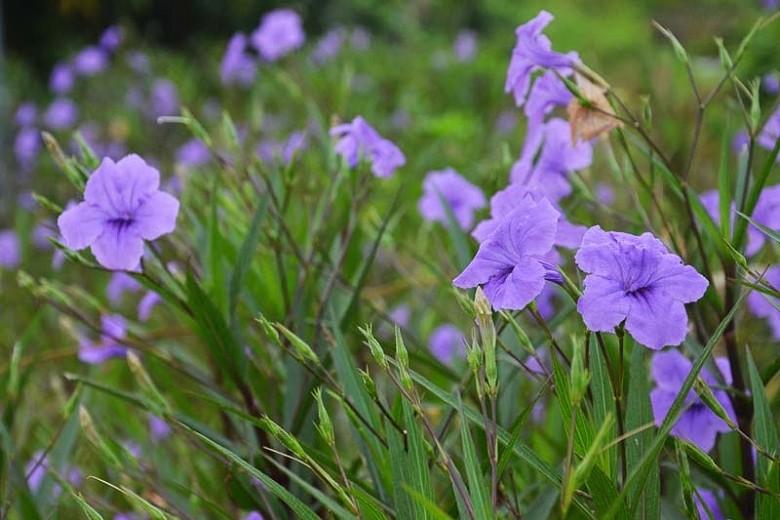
(465, 46)
(61, 114)
(62, 79)
(548, 157)
(26, 114)
(770, 5)
(400, 314)
(506, 122)
(771, 83)
(698, 424)
(193, 153)
(510, 263)
(740, 141)
(547, 93)
(36, 470)
(90, 61)
(447, 343)
(147, 304)
(361, 38)
(636, 279)
(27, 144)
(769, 135)
(328, 46)
(280, 32)
(165, 98)
(766, 213)
(10, 249)
(253, 515)
(237, 65)
(605, 194)
(358, 139)
(119, 284)
(532, 51)
(707, 504)
(158, 428)
(138, 61)
(111, 38)
(508, 199)
(122, 207)
(113, 329)
(449, 187)
(760, 304)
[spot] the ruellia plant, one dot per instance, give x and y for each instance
(297, 321)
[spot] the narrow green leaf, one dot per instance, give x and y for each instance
(245, 255)
(478, 486)
(766, 436)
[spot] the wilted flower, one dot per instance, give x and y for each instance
(593, 119)
(122, 207)
(26, 114)
(27, 144)
(113, 329)
(165, 98)
(532, 51)
(61, 114)
(465, 46)
(760, 304)
(447, 343)
(698, 424)
(193, 153)
(111, 38)
(448, 187)
(510, 264)
(358, 139)
(280, 32)
(90, 61)
(10, 249)
(237, 65)
(636, 279)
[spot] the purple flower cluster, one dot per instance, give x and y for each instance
(447, 188)
(358, 140)
(636, 279)
(698, 424)
(122, 207)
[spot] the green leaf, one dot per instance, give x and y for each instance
(603, 404)
(765, 436)
(87, 509)
(478, 486)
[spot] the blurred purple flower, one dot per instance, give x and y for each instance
(26, 114)
(547, 92)
(270, 150)
(253, 515)
(280, 32)
(111, 38)
(41, 233)
(532, 51)
(510, 262)
(358, 139)
(400, 314)
(770, 5)
(697, 424)
(548, 157)
(636, 279)
(707, 505)
(766, 213)
(770, 134)
(90, 61)
(165, 98)
(122, 207)
(61, 114)
(138, 61)
(158, 428)
(771, 82)
(36, 470)
(328, 46)
(193, 153)
(147, 304)
(465, 46)
(740, 141)
(605, 194)
(27, 145)
(113, 329)
(447, 343)
(449, 187)
(237, 66)
(361, 38)
(506, 122)
(62, 79)
(119, 284)
(10, 249)
(760, 304)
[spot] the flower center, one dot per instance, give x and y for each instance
(121, 223)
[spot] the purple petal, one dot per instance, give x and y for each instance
(156, 215)
(603, 304)
(81, 225)
(118, 248)
(655, 321)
